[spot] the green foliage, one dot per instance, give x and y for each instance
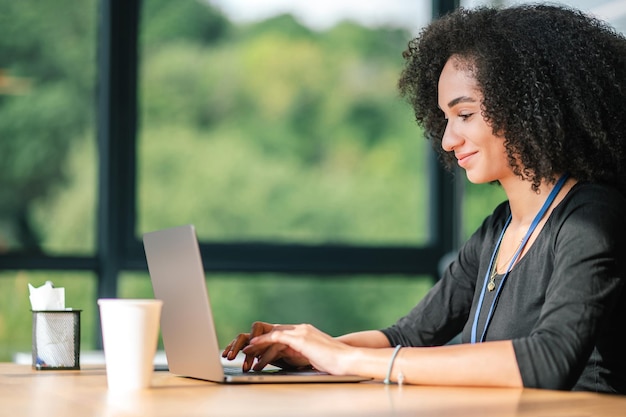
(284, 26)
(259, 194)
(382, 46)
(48, 49)
(287, 137)
(191, 21)
(480, 200)
(66, 219)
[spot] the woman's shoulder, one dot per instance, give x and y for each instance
(600, 206)
(597, 195)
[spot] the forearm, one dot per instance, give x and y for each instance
(483, 364)
(366, 339)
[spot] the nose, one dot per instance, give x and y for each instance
(450, 139)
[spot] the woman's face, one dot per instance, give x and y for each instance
(478, 151)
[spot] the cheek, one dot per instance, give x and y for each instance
(493, 142)
(499, 155)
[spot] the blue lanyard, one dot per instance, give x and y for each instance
(530, 231)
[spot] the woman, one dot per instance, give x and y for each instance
(533, 98)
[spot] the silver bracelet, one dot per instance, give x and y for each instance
(387, 380)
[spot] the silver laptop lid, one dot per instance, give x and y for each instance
(187, 327)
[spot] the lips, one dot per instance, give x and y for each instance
(464, 158)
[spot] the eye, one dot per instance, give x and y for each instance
(465, 116)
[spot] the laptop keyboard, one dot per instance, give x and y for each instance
(231, 370)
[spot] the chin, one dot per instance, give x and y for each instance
(478, 179)
(483, 180)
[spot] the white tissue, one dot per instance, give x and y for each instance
(53, 342)
(46, 297)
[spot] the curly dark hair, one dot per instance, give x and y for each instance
(553, 81)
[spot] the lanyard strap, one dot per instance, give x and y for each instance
(530, 231)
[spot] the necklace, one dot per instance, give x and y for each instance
(494, 267)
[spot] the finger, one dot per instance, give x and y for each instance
(252, 353)
(270, 355)
(248, 362)
(259, 328)
(293, 336)
(228, 347)
(240, 342)
(236, 345)
(262, 354)
(278, 335)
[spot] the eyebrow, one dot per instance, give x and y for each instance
(462, 99)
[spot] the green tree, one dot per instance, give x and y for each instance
(194, 21)
(50, 47)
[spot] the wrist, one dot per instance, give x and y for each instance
(352, 360)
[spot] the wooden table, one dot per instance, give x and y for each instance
(25, 392)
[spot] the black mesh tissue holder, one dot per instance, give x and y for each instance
(56, 339)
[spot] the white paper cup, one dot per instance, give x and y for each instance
(130, 330)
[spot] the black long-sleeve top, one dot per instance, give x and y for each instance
(563, 304)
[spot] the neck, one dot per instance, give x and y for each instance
(525, 203)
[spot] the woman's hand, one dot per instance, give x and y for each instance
(274, 354)
(301, 343)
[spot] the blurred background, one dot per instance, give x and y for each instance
(256, 120)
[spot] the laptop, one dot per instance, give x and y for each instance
(187, 327)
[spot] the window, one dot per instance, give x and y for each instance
(280, 129)
(283, 130)
(283, 192)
